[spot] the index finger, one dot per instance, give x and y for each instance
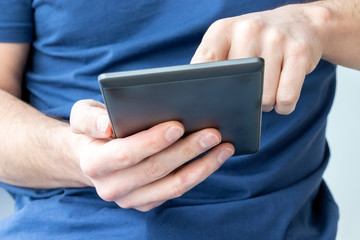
(215, 44)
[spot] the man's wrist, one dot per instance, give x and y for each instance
(338, 23)
(323, 19)
(61, 139)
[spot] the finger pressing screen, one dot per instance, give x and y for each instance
(215, 44)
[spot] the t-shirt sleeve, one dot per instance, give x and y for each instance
(16, 21)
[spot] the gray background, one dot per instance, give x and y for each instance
(342, 174)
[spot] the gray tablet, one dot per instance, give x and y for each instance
(225, 95)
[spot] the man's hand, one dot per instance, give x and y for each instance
(143, 170)
(287, 38)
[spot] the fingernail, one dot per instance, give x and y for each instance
(174, 133)
(208, 140)
(102, 123)
(225, 154)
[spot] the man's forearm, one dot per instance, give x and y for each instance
(34, 151)
(340, 23)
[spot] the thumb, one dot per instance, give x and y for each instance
(91, 118)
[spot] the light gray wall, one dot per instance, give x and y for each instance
(342, 174)
(343, 135)
(6, 204)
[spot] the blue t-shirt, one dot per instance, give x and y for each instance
(277, 193)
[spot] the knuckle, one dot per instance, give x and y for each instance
(251, 26)
(268, 101)
(145, 208)
(154, 142)
(284, 110)
(216, 31)
(267, 108)
(125, 204)
(184, 180)
(285, 103)
(287, 100)
(188, 152)
(274, 37)
(78, 104)
(107, 194)
(88, 167)
(206, 54)
(218, 26)
(324, 14)
(122, 158)
(81, 105)
(176, 191)
(90, 170)
(299, 49)
(155, 169)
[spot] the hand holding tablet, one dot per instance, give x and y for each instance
(225, 95)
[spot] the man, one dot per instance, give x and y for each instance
(60, 173)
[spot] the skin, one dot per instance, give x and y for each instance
(291, 39)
